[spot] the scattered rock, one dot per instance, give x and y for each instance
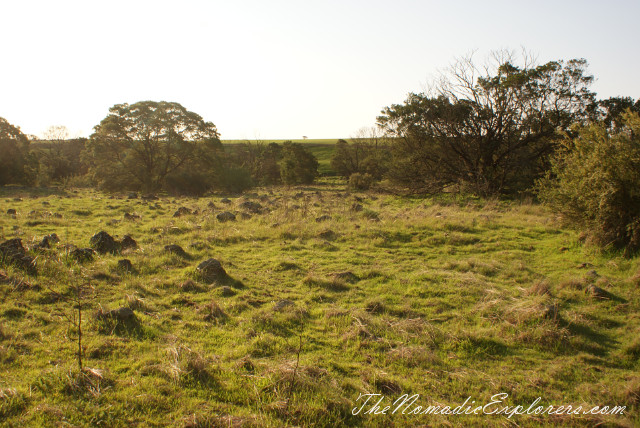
(252, 207)
(150, 197)
(128, 242)
(356, 207)
(125, 266)
(47, 241)
(592, 274)
(175, 249)
(211, 270)
(13, 252)
(323, 218)
(133, 217)
(283, 304)
(82, 254)
(132, 195)
(211, 205)
(597, 292)
(11, 211)
(227, 291)
(226, 216)
(245, 216)
(122, 314)
(584, 265)
(104, 243)
(182, 211)
(225, 200)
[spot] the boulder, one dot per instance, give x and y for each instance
(323, 218)
(82, 254)
(226, 216)
(13, 252)
(225, 200)
(125, 266)
(211, 270)
(252, 207)
(175, 249)
(182, 211)
(122, 314)
(128, 242)
(227, 291)
(132, 217)
(11, 211)
(104, 243)
(132, 195)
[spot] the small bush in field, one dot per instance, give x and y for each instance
(359, 181)
(595, 183)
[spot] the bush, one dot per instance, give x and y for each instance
(299, 165)
(359, 181)
(595, 183)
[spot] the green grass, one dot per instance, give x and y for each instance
(322, 149)
(446, 298)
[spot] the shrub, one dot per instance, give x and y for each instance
(359, 181)
(299, 165)
(595, 183)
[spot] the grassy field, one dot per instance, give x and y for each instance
(329, 295)
(322, 149)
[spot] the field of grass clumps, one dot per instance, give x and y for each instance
(320, 295)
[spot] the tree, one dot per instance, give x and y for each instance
(298, 165)
(17, 164)
(610, 110)
(487, 130)
(138, 146)
(594, 182)
(368, 153)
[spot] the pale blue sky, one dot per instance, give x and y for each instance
(282, 69)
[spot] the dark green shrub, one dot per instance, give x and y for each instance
(595, 183)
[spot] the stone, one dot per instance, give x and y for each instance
(132, 195)
(182, 211)
(323, 218)
(225, 200)
(13, 252)
(82, 254)
(356, 207)
(104, 243)
(597, 292)
(211, 270)
(328, 235)
(11, 211)
(175, 249)
(252, 207)
(128, 242)
(132, 217)
(227, 291)
(226, 216)
(122, 314)
(125, 265)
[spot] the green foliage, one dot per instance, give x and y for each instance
(488, 131)
(359, 181)
(362, 156)
(137, 146)
(17, 164)
(595, 183)
(298, 165)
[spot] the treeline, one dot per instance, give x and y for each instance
(507, 127)
(151, 146)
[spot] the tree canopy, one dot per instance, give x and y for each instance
(140, 145)
(17, 164)
(488, 130)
